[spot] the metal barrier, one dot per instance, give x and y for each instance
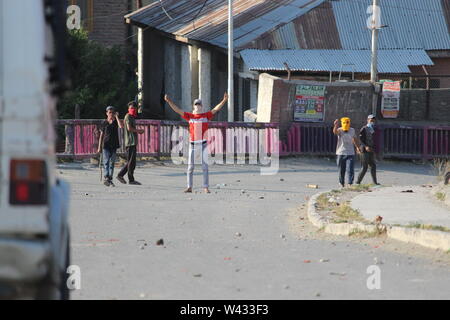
(79, 138)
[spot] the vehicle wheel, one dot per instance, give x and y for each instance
(48, 291)
(63, 289)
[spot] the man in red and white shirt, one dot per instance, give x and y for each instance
(198, 127)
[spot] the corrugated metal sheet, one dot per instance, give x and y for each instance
(389, 61)
(252, 18)
(412, 24)
(304, 24)
(314, 30)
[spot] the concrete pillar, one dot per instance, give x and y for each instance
(186, 79)
(253, 94)
(204, 57)
(140, 58)
(193, 51)
(170, 78)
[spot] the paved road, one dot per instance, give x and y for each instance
(234, 245)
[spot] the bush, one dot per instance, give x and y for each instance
(99, 77)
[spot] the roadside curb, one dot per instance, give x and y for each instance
(428, 238)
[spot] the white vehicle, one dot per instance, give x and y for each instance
(34, 232)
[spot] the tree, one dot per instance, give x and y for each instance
(99, 77)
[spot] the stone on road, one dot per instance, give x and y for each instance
(200, 238)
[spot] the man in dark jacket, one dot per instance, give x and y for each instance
(109, 142)
(367, 138)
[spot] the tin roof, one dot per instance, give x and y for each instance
(389, 61)
(411, 24)
(251, 18)
(303, 24)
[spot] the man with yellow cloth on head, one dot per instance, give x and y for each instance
(345, 149)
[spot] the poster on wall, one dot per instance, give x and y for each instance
(309, 104)
(390, 102)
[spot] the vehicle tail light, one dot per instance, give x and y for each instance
(28, 182)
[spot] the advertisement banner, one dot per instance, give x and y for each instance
(309, 104)
(390, 103)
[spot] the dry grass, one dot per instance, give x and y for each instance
(427, 227)
(441, 167)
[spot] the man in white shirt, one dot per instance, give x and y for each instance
(345, 150)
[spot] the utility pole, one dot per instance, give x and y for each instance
(375, 27)
(140, 58)
(230, 63)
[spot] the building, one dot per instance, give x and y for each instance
(103, 19)
(184, 45)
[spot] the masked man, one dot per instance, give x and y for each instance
(345, 149)
(131, 141)
(367, 137)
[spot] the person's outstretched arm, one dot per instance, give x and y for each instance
(119, 122)
(221, 104)
(173, 105)
(336, 126)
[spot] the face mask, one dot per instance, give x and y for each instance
(132, 112)
(371, 125)
(345, 123)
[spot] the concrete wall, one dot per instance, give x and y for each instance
(276, 98)
(413, 105)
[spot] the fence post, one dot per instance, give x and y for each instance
(425, 143)
(69, 132)
(158, 141)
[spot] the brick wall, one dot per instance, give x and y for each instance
(109, 27)
(413, 105)
(441, 66)
(276, 97)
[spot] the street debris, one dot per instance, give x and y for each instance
(198, 275)
(342, 274)
(261, 197)
(160, 242)
(318, 294)
(281, 179)
(324, 260)
(378, 262)
(282, 236)
(312, 186)
(306, 261)
(238, 234)
(408, 191)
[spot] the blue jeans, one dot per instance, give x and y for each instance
(109, 158)
(346, 163)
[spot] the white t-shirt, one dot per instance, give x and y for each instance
(345, 145)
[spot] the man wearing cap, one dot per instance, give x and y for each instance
(345, 150)
(131, 141)
(367, 138)
(109, 142)
(198, 126)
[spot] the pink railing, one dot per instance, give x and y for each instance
(79, 138)
(161, 138)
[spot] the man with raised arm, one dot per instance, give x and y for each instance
(198, 126)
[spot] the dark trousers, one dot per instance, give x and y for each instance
(130, 165)
(368, 159)
(346, 163)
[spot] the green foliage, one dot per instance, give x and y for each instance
(99, 76)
